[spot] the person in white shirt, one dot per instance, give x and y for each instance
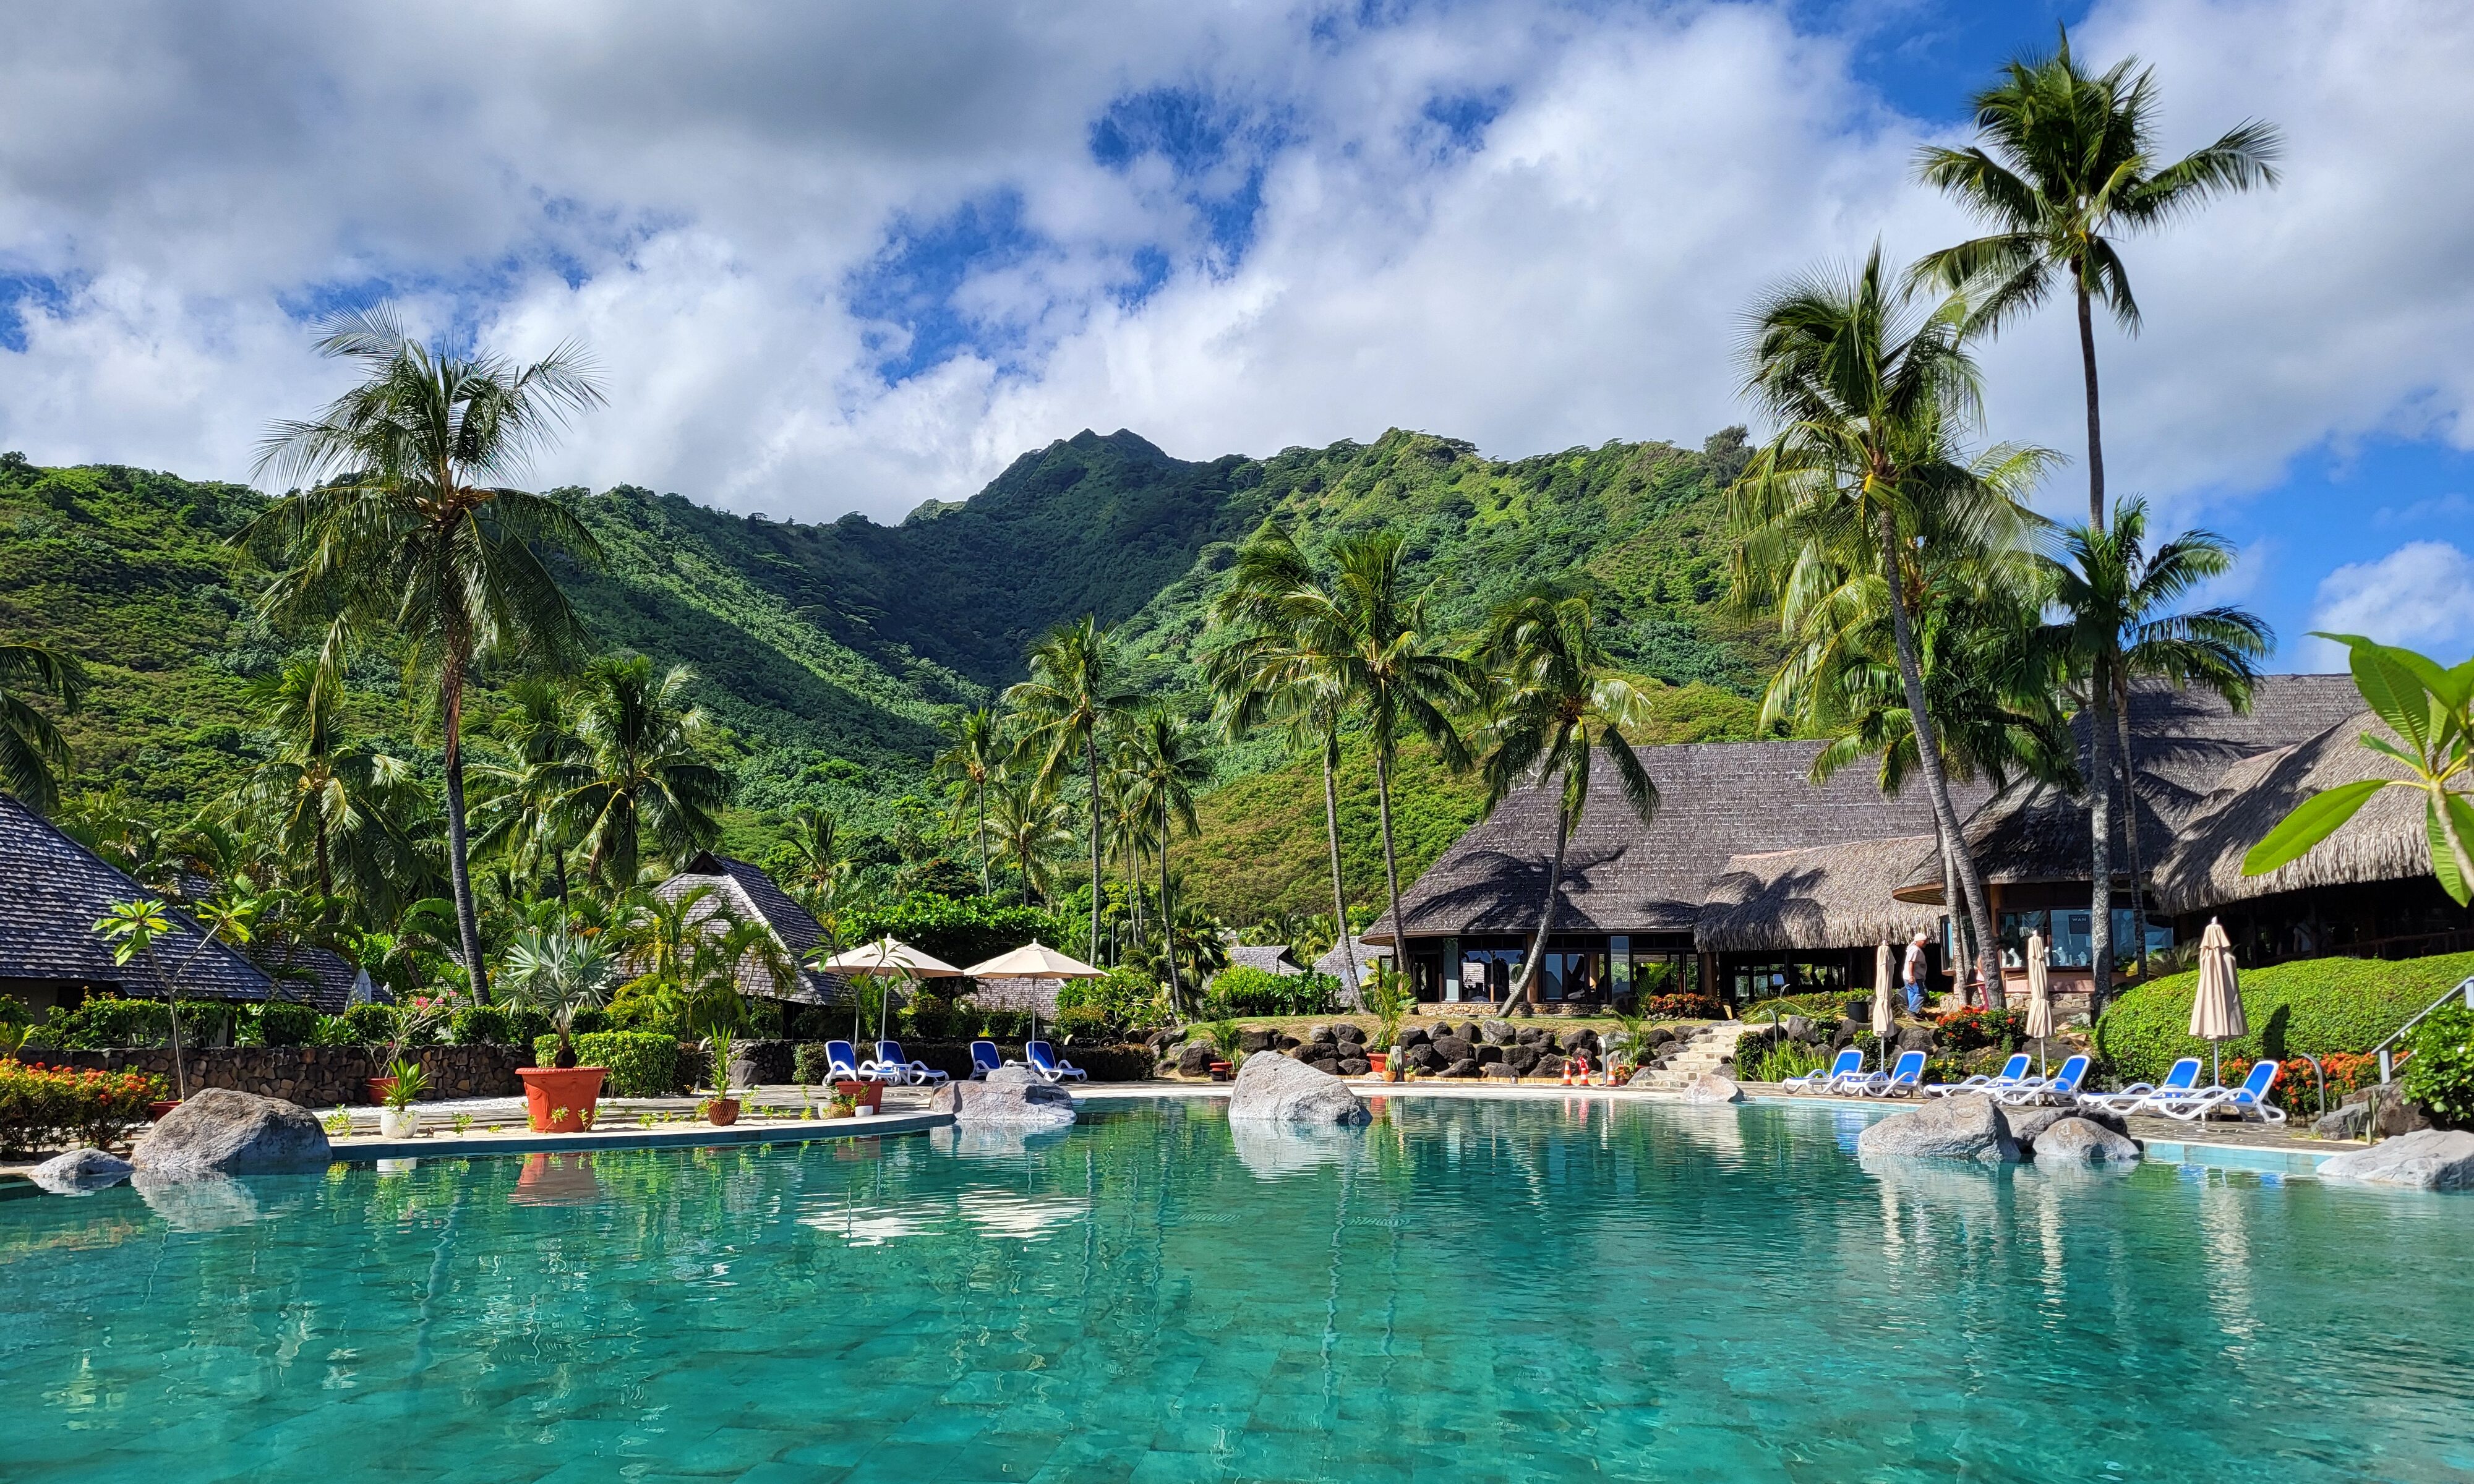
(1914, 976)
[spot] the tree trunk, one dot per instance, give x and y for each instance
(1911, 675)
(326, 874)
(1168, 919)
(459, 869)
(985, 889)
(2096, 434)
(1962, 936)
(2099, 776)
(1526, 990)
(1339, 897)
(1391, 860)
(1091, 762)
(2130, 830)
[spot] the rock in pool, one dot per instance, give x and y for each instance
(1273, 1089)
(1008, 1095)
(221, 1132)
(1955, 1128)
(79, 1172)
(2083, 1141)
(2427, 1159)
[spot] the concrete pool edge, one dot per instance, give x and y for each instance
(366, 1151)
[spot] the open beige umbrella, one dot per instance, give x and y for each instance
(1034, 960)
(2040, 1001)
(2216, 1010)
(888, 959)
(1885, 1018)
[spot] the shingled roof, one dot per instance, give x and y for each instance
(53, 889)
(748, 892)
(1825, 896)
(2184, 740)
(1717, 800)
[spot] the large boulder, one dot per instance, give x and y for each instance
(1497, 1033)
(1454, 1048)
(1350, 1035)
(221, 1132)
(2426, 1160)
(1355, 1067)
(79, 1172)
(1008, 1095)
(1954, 1128)
(1711, 1087)
(1800, 1029)
(1425, 1058)
(1490, 1055)
(1915, 1037)
(2027, 1123)
(1417, 1036)
(1253, 1038)
(1195, 1059)
(1523, 1059)
(1582, 1039)
(1271, 1088)
(1497, 1071)
(2083, 1141)
(1466, 1066)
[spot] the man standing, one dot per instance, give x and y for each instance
(1914, 976)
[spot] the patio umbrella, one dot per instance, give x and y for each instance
(2040, 1003)
(1883, 1016)
(1034, 960)
(888, 959)
(2217, 1010)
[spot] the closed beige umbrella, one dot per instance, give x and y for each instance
(2040, 1002)
(2216, 1010)
(1884, 1019)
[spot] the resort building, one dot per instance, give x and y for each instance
(742, 891)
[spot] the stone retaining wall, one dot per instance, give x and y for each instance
(314, 1076)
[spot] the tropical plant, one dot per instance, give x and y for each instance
(1034, 831)
(2439, 1074)
(523, 813)
(329, 793)
(2068, 163)
(1167, 768)
(1556, 700)
(132, 929)
(1386, 995)
(645, 783)
(405, 530)
(720, 1046)
(1223, 1035)
(972, 764)
(1866, 473)
(2431, 710)
(32, 753)
(557, 973)
(405, 1082)
(1071, 696)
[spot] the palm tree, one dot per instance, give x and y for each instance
(1034, 830)
(315, 783)
(2114, 599)
(1131, 829)
(645, 779)
(1170, 766)
(1073, 693)
(408, 532)
(1267, 677)
(971, 762)
(814, 866)
(32, 750)
(1866, 471)
(2068, 164)
(523, 814)
(1555, 701)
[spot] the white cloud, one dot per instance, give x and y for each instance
(691, 191)
(2420, 595)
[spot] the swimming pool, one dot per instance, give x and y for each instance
(1466, 1290)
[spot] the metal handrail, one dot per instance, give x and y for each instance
(2388, 1063)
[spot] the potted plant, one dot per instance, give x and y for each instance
(558, 974)
(720, 1110)
(1224, 1039)
(842, 1106)
(1385, 996)
(869, 1096)
(405, 1082)
(414, 1022)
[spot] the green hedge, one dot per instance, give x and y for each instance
(2316, 1005)
(642, 1064)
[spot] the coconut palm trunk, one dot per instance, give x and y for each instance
(1390, 857)
(1525, 992)
(1929, 759)
(1338, 895)
(2130, 830)
(1091, 766)
(2100, 776)
(1168, 922)
(459, 866)
(2094, 420)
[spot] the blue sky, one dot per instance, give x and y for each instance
(851, 257)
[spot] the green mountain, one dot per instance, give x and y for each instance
(833, 653)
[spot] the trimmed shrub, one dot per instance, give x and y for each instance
(642, 1062)
(47, 1108)
(284, 1023)
(2440, 1075)
(484, 1025)
(1244, 991)
(109, 1022)
(1680, 1007)
(1829, 1007)
(369, 1025)
(2322, 1006)
(929, 1016)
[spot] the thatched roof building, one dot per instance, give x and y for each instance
(1822, 897)
(1272, 958)
(52, 892)
(746, 891)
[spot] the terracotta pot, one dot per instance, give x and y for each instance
(1220, 1071)
(722, 1112)
(548, 1089)
(1377, 1061)
(154, 1112)
(867, 1094)
(379, 1088)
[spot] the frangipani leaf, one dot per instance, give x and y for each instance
(2312, 820)
(2391, 688)
(2450, 817)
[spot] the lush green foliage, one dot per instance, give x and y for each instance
(1244, 991)
(281, 1024)
(641, 1064)
(2440, 1076)
(1126, 999)
(47, 1108)
(961, 932)
(2316, 1005)
(108, 1021)
(1963, 1031)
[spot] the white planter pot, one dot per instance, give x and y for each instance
(398, 1123)
(862, 1111)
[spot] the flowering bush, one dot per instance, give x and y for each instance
(2439, 1075)
(1680, 1007)
(47, 1107)
(1972, 1030)
(2298, 1089)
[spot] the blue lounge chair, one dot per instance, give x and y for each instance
(2063, 1086)
(1045, 1065)
(893, 1067)
(2247, 1101)
(1849, 1064)
(842, 1063)
(1902, 1079)
(2177, 1083)
(984, 1059)
(2012, 1071)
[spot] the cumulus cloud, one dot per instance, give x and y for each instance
(2420, 595)
(855, 258)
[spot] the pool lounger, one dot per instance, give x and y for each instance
(2247, 1101)
(1903, 1078)
(2062, 1088)
(2177, 1083)
(1045, 1065)
(985, 1059)
(893, 1067)
(2010, 1075)
(842, 1063)
(1849, 1062)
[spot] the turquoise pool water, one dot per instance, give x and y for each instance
(1464, 1291)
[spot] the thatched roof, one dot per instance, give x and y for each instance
(1717, 800)
(52, 891)
(1272, 958)
(2184, 740)
(1827, 897)
(1365, 955)
(746, 891)
(2384, 842)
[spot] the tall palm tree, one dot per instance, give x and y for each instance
(1131, 829)
(2068, 164)
(1034, 830)
(407, 528)
(1267, 677)
(1170, 767)
(645, 783)
(32, 753)
(2115, 601)
(1866, 470)
(971, 762)
(322, 786)
(1073, 694)
(539, 748)
(816, 867)
(1555, 701)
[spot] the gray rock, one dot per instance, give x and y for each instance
(1286, 1042)
(1254, 1038)
(1427, 1059)
(1466, 1066)
(2083, 1141)
(1355, 1067)
(1711, 1087)
(1271, 1088)
(1489, 1055)
(1582, 1039)
(2026, 1123)
(1529, 1035)
(1321, 1036)
(1954, 1128)
(2390, 1114)
(1800, 1029)
(1008, 1095)
(1452, 1048)
(1195, 1060)
(1350, 1035)
(1417, 1036)
(1497, 1071)
(1917, 1038)
(1845, 1036)
(221, 1132)
(1496, 1033)
(2346, 1122)
(1548, 1067)
(2425, 1159)
(1659, 1034)
(1523, 1059)
(1639, 1079)
(79, 1172)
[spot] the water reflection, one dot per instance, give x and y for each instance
(556, 1179)
(994, 1141)
(208, 1205)
(1273, 1151)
